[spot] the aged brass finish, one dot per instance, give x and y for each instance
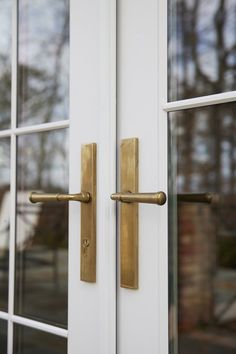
(149, 198)
(47, 197)
(129, 198)
(88, 214)
(129, 215)
(88, 210)
(196, 198)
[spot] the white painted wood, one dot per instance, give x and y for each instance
(92, 321)
(210, 100)
(35, 128)
(41, 127)
(142, 112)
(140, 312)
(33, 324)
(162, 177)
(5, 133)
(92, 307)
(4, 315)
(40, 326)
(12, 176)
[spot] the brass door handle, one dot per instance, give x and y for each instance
(195, 197)
(158, 198)
(87, 210)
(130, 198)
(83, 197)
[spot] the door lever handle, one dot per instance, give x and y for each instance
(83, 197)
(158, 198)
(87, 210)
(195, 197)
(129, 211)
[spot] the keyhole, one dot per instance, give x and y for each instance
(85, 245)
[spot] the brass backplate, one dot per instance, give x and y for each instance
(88, 214)
(129, 214)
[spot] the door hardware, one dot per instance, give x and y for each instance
(85, 245)
(88, 210)
(47, 197)
(148, 198)
(196, 197)
(129, 198)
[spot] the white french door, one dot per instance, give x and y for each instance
(176, 94)
(102, 317)
(34, 122)
(57, 94)
(92, 306)
(80, 72)
(142, 314)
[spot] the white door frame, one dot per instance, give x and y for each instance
(142, 91)
(162, 158)
(136, 34)
(92, 307)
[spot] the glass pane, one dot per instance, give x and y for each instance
(202, 47)
(31, 341)
(3, 337)
(43, 71)
(42, 229)
(202, 238)
(4, 220)
(5, 63)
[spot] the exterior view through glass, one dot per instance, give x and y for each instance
(38, 86)
(4, 220)
(43, 70)
(3, 337)
(42, 228)
(5, 64)
(32, 341)
(201, 47)
(202, 236)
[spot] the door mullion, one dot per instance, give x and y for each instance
(13, 173)
(162, 175)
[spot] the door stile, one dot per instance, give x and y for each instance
(141, 324)
(162, 158)
(107, 175)
(11, 285)
(92, 306)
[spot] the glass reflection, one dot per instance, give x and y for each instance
(202, 237)
(5, 63)
(28, 341)
(202, 47)
(43, 71)
(4, 220)
(42, 229)
(3, 337)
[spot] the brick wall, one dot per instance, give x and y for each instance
(196, 264)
